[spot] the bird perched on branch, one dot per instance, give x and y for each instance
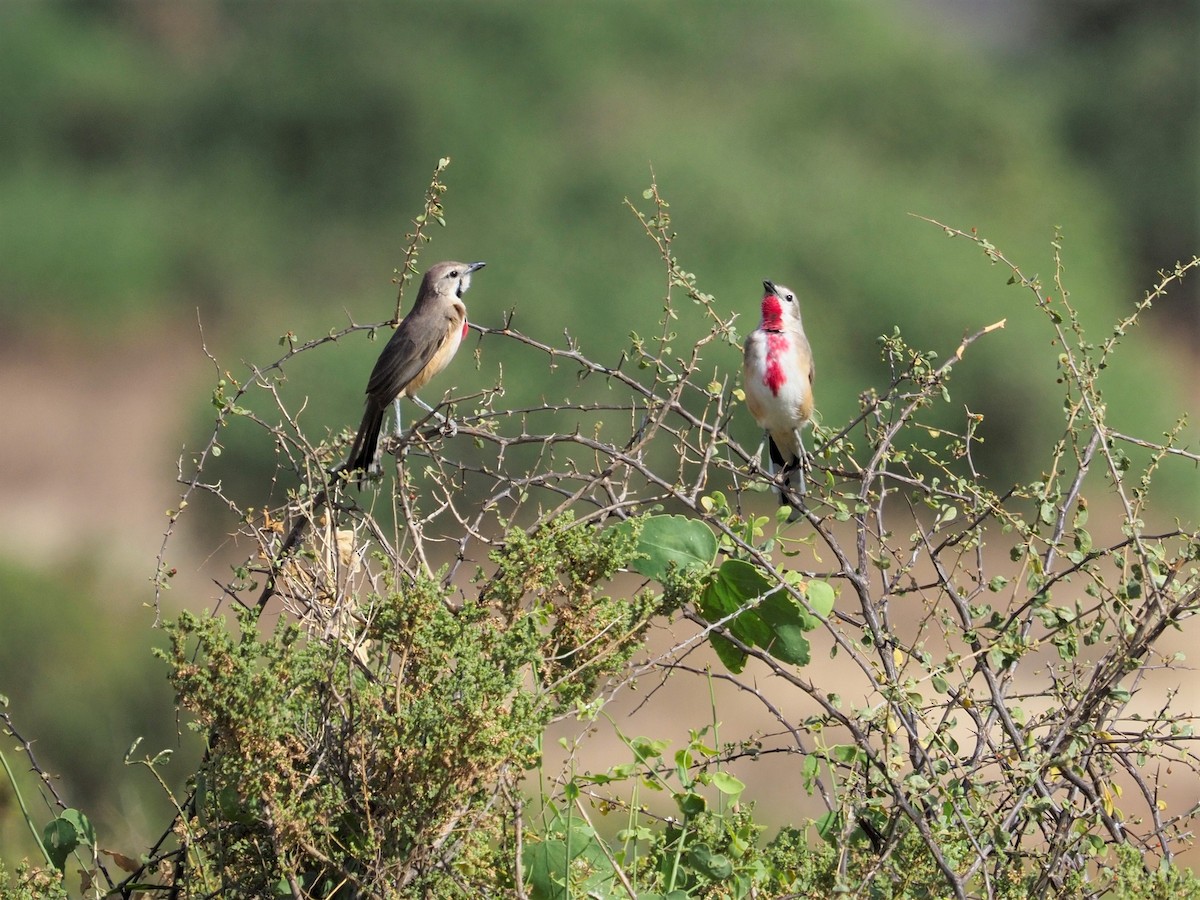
(422, 346)
(778, 378)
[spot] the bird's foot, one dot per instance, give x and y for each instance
(756, 460)
(446, 425)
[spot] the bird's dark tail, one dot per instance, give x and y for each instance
(793, 476)
(361, 460)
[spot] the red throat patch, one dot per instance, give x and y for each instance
(772, 313)
(774, 377)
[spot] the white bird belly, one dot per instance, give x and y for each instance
(778, 393)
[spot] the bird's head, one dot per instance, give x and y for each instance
(779, 304)
(449, 279)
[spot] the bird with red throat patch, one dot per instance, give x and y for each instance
(778, 378)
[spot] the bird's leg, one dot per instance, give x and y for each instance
(762, 445)
(397, 429)
(800, 464)
(449, 425)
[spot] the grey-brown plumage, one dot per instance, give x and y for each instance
(422, 346)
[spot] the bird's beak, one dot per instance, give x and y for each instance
(770, 286)
(475, 267)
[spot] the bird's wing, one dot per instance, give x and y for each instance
(806, 349)
(408, 352)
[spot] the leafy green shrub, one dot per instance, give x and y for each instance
(372, 755)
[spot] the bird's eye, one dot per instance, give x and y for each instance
(454, 274)
(790, 298)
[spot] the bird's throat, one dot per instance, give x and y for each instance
(772, 314)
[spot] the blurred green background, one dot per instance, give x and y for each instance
(251, 168)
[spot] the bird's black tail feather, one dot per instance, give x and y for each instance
(362, 454)
(793, 472)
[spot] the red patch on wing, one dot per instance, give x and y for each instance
(464, 334)
(777, 345)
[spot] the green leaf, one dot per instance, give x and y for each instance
(727, 784)
(1083, 541)
(735, 586)
(60, 837)
(776, 623)
(787, 622)
(820, 596)
(691, 803)
(850, 754)
(733, 658)
(809, 770)
(828, 827)
(647, 748)
(83, 826)
(714, 865)
(688, 543)
(546, 864)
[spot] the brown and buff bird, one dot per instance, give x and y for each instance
(778, 378)
(422, 346)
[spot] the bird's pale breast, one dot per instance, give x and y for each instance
(778, 392)
(456, 329)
